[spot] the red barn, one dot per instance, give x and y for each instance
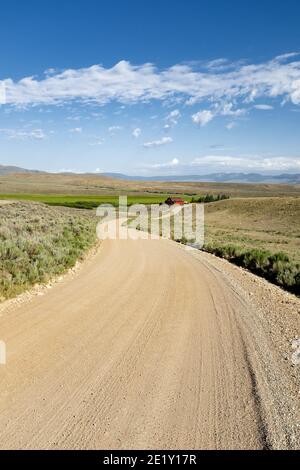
(171, 201)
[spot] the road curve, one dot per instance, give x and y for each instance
(145, 347)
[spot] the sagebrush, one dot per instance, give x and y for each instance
(276, 267)
(38, 242)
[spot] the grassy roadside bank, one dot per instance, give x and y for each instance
(38, 243)
(259, 234)
(276, 268)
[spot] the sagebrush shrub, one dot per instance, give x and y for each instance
(277, 267)
(38, 242)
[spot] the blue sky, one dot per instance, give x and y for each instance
(150, 87)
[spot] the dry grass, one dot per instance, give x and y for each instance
(271, 224)
(262, 235)
(101, 185)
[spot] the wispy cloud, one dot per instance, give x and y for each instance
(113, 129)
(136, 133)
(74, 118)
(218, 109)
(171, 164)
(173, 117)
(203, 117)
(76, 130)
(158, 143)
(227, 163)
(127, 83)
(70, 170)
(247, 163)
(98, 141)
(263, 107)
(217, 64)
(21, 134)
(2, 93)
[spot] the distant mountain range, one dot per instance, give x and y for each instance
(284, 178)
(7, 170)
(215, 178)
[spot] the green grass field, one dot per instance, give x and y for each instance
(84, 201)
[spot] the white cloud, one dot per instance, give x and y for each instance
(217, 64)
(263, 107)
(218, 109)
(227, 109)
(247, 163)
(284, 57)
(21, 134)
(173, 163)
(113, 129)
(98, 141)
(136, 132)
(203, 117)
(231, 125)
(76, 130)
(127, 83)
(50, 71)
(69, 170)
(158, 143)
(37, 134)
(2, 93)
(173, 117)
(74, 118)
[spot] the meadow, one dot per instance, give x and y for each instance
(99, 185)
(271, 224)
(260, 234)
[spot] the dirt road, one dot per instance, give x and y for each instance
(145, 347)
